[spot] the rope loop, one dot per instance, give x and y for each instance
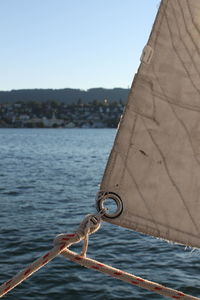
(90, 224)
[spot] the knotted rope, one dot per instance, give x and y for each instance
(89, 225)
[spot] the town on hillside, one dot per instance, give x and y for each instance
(53, 114)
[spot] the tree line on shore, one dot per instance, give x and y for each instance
(67, 95)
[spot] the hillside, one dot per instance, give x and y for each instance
(67, 95)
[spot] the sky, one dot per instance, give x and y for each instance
(72, 43)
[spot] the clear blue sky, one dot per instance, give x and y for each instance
(72, 43)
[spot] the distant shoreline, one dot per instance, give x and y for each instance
(53, 114)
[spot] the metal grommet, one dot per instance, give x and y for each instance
(111, 202)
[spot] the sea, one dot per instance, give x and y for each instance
(48, 183)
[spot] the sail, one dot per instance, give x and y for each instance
(153, 172)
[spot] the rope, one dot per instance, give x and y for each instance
(127, 277)
(89, 225)
(60, 243)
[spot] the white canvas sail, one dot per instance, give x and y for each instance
(153, 172)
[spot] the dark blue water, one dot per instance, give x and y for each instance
(48, 182)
